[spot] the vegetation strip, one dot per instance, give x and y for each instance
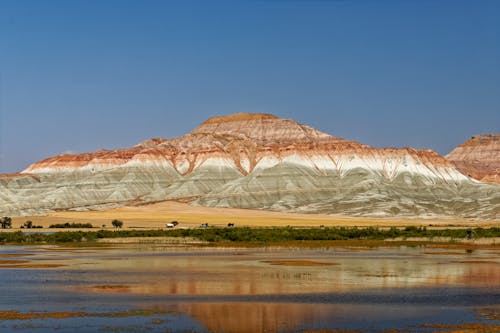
(253, 235)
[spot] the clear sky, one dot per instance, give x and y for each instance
(79, 76)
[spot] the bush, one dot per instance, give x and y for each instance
(71, 225)
(6, 222)
(117, 224)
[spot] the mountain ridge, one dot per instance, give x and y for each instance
(215, 135)
(255, 161)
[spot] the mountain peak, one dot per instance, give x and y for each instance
(482, 140)
(478, 157)
(236, 117)
(261, 128)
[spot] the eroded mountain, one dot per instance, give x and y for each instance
(478, 157)
(256, 161)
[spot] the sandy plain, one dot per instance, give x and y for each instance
(155, 216)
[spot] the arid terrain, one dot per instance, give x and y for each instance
(157, 215)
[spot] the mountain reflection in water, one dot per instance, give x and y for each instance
(257, 290)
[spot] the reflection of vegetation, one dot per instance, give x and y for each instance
(253, 235)
(71, 225)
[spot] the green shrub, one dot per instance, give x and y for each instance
(6, 222)
(117, 223)
(71, 225)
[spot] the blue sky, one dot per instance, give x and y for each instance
(84, 75)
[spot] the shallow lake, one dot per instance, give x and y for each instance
(160, 288)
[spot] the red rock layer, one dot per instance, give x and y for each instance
(242, 140)
(478, 157)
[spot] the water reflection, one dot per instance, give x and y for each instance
(244, 290)
(196, 272)
(290, 317)
(257, 317)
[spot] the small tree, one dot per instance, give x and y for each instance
(117, 223)
(6, 222)
(28, 224)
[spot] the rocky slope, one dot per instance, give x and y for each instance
(254, 161)
(478, 157)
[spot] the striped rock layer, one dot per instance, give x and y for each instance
(255, 161)
(478, 157)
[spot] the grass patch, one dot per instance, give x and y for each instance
(260, 236)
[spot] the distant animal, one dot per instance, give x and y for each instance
(204, 225)
(230, 225)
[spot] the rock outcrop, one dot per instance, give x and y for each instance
(256, 161)
(478, 157)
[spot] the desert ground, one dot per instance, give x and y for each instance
(156, 215)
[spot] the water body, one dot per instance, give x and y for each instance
(159, 288)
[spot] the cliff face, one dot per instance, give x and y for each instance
(254, 161)
(478, 157)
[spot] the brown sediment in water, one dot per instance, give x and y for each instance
(476, 262)
(466, 247)
(444, 253)
(15, 255)
(106, 289)
(33, 266)
(298, 263)
(18, 315)
(12, 262)
(463, 328)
